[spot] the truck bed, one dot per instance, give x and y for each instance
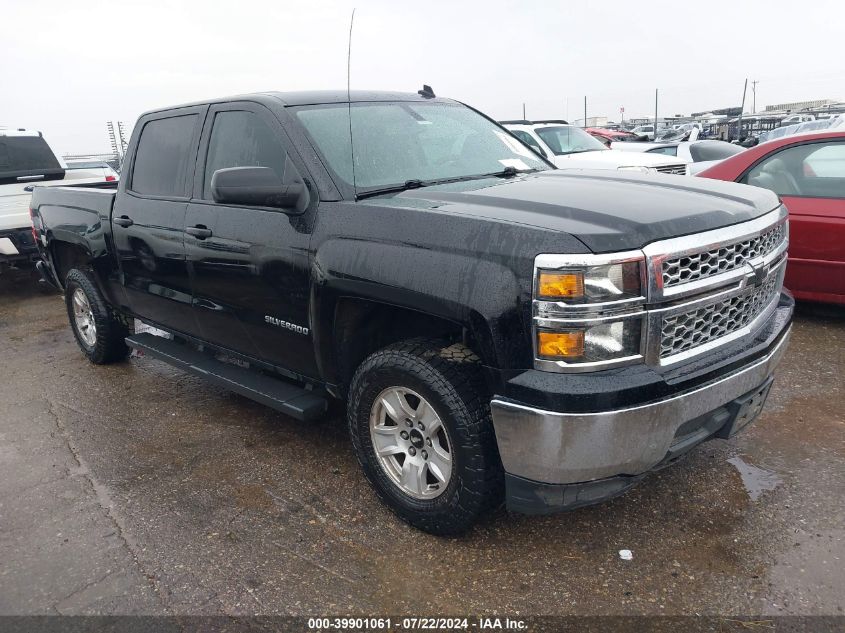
(78, 217)
(89, 201)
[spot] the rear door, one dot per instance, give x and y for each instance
(250, 265)
(149, 218)
(810, 179)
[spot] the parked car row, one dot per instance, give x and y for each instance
(569, 146)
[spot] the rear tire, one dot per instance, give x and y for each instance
(99, 332)
(439, 479)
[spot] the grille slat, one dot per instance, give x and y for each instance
(681, 270)
(679, 169)
(685, 331)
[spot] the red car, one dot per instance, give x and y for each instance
(808, 173)
(607, 136)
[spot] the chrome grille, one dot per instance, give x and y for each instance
(681, 270)
(688, 330)
(679, 169)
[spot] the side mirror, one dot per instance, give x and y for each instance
(254, 186)
(539, 150)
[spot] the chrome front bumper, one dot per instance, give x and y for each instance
(563, 448)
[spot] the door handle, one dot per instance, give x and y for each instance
(199, 231)
(123, 221)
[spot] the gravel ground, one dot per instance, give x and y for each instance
(137, 489)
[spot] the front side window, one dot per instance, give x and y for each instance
(566, 139)
(529, 140)
(241, 139)
(163, 156)
(395, 142)
(814, 170)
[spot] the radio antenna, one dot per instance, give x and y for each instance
(349, 101)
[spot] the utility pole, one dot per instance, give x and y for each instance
(523, 112)
(741, 110)
(754, 96)
(585, 110)
(655, 113)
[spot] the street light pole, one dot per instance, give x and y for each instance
(741, 110)
(655, 113)
(754, 95)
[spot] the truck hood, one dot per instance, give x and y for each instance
(606, 210)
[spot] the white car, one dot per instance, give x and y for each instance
(26, 160)
(570, 147)
(87, 168)
(699, 154)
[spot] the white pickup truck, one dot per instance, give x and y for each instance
(26, 161)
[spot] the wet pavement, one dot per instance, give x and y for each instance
(135, 488)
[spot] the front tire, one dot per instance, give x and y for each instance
(99, 333)
(419, 417)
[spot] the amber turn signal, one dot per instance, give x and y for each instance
(560, 344)
(561, 285)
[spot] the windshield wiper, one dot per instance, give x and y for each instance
(507, 172)
(412, 183)
(415, 183)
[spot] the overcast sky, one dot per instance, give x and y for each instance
(68, 67)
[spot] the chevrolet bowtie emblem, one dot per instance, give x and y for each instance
(758, 274)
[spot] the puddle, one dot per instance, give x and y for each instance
(756, 480)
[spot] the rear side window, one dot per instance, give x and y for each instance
(22, 156)
(163, 156)
(241, 139)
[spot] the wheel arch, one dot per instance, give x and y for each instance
(360, 327)
(67, 256)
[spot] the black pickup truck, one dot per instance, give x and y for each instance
(499, 329)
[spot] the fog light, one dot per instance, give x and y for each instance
(560, 344)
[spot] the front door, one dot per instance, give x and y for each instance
(810, 178)
(250, 265)
(149, 220)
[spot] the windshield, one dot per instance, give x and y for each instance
(396, 142)
(566, 139)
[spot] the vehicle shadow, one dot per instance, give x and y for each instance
(21, 283)
(819, 311)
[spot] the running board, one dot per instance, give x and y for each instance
(276, 393)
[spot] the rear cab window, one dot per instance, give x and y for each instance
(163, 158)
(27, 157)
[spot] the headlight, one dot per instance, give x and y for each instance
(590, 284)
(640, 168)
(588, 310)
